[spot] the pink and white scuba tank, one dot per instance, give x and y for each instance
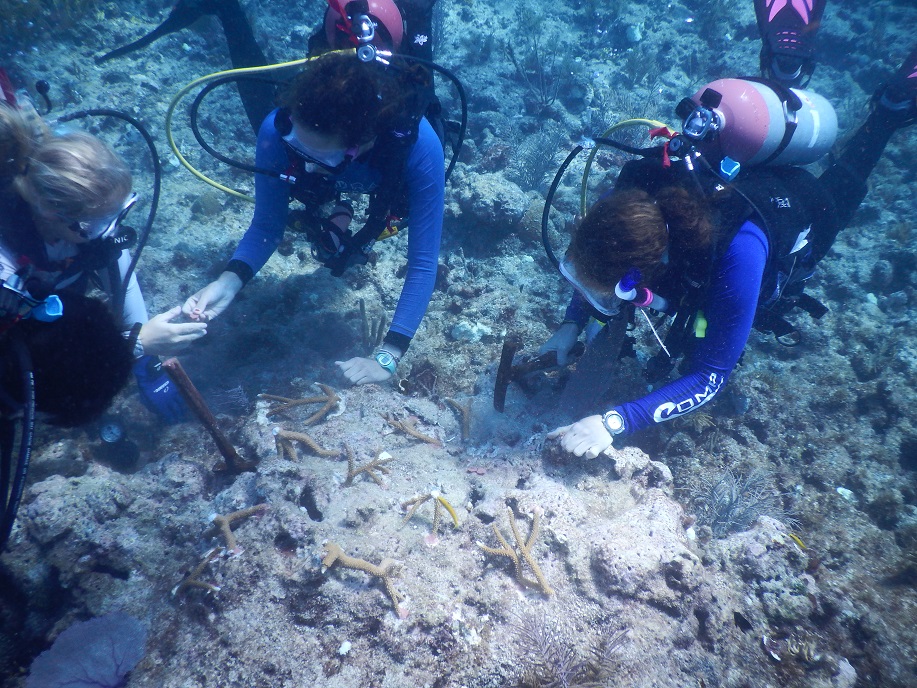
(753, 123)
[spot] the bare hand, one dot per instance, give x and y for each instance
(162, 337)
(213, 299)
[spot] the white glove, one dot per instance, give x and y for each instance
(213, 299)
(562, 342)
(361, 371)
(587, 437)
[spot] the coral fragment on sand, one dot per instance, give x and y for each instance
(439, 503)
(372, 469)
(329, 400)
(284, 440)
(525, 550)
(407, 426)
(223, 524)
(385, 570)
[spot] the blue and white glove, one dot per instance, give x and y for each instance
(157, 391)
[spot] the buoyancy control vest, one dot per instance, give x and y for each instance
(388, 200)
(789, 206)
(20, 239)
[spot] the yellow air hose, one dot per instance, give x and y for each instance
(216, 75)
(635, 122)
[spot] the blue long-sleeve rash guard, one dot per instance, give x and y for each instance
(425, 183)
(730, 311)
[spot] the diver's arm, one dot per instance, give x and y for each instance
(134, 310)
(578, 310)
(730, 313)
(426, 188)
(272, 198)
(7, 263)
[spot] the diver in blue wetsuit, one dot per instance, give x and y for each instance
(720, 254)
(346, 125)
(340, 126)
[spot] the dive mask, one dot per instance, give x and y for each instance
(605, 301)
(331, 161)
(103, 227)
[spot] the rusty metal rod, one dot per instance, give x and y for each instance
(234, 462)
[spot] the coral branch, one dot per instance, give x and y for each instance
(464, 412)
(525, 549)
(284, 440)
(407, 426)
(379, 464)
(224, 525)
(385, 570)
(439, 503)
(329, 399)
(192, 580)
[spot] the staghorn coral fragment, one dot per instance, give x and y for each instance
(379, 464)
(223, 524)
(284, 440)
(329, 399)
(408, 428)
(192, 580)
(464, 412)
(385, 570)
(525, 550)
(439, 503)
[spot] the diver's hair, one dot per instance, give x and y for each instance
(80, 361)
(73, 175)
(339, 96)
(631, 229)
(15, 143)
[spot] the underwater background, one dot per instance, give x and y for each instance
(769, 541)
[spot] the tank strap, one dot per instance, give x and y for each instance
(791, 105)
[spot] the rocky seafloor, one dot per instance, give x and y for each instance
(820, 591)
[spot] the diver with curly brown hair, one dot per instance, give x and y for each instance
(726, 239)
(347, 124)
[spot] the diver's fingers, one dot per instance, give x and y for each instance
(559, 432)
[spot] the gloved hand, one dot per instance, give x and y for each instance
(162, 337)
(361, 371)
(562, 342)
(157, 392)
(587, 437)
(213, 299)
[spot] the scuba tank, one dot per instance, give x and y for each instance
(758, 122)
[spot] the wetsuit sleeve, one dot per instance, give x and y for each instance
(426, 197)
(134, 308)
(272, 198)
(7, 263)
(730, 312)
(578, 311)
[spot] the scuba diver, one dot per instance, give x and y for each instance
(63, 198)
(353, 121)
(725, 238)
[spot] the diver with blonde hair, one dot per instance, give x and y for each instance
(63, 198)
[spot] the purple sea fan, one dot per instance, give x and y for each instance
(98, 653)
